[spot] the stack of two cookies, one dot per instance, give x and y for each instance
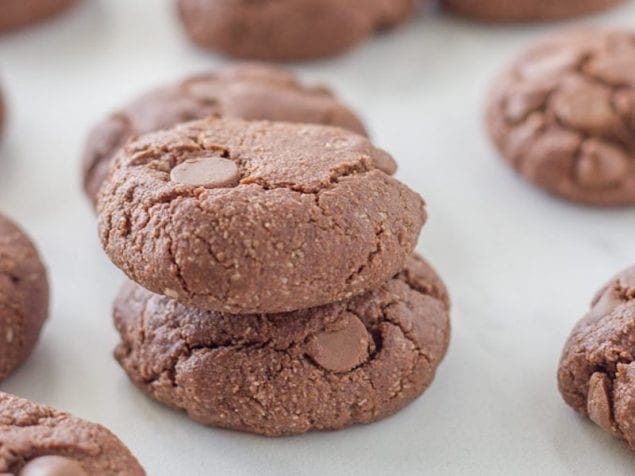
(275, 287)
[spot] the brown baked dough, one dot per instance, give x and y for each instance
(324, 368)
(597, 369)
(287, 30)
(248, 91)
(526, 10)
(24, 296)
(304, 216)
(29, 431)
(563, 116)
(15, 14)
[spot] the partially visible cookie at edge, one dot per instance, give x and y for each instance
(288, 30)
(324, 368)
(18, 14)
(248, 91)
(562, 116)
(255, 216)
(24, 296)
(597, 369)
(33, 436)
(526, 10)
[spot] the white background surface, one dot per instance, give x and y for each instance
(521, 267)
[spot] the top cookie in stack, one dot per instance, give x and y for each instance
(257, 217)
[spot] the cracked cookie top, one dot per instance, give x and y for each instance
(247, 91)
(288, 30)
(597, 369)
(24, 296)
(526, 10)
(31, 435)
(329, 367)
(562, 115)
(284, 216)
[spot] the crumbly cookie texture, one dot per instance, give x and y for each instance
(248, 91)
(324, 368)
(288, 30)
(29, 431)
(562, 115)
(597, 369)
(310, 219)
(20, 13)
(526, 10)
(24, 296)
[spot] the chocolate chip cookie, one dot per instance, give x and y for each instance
(526, 10)
(24, 296)
(288, 30)
(247, 91)
(563, 116)
(255, 216)
(597, 369)
(36, 440)
(329, 367)
(21, 13)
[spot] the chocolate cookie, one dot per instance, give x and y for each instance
(563, 116)
(324, 368)
(288, 30)
(24, 296)
(254, 216)
(247, 91)
(597, 370)
(35, 437)
(20, 13)
(526, 10)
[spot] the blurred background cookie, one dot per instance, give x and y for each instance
(37, 440)
(24, 296)
(248, 91)
(16, 14)
(597, 369)
(287, 30)
(526, 10)
(563, 116)
(324, 368)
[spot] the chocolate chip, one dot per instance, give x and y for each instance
(53, 466)
(208, 172)
(598, 402)
(343, 349)
(601, 165)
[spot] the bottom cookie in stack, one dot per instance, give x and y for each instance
(324, 368)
